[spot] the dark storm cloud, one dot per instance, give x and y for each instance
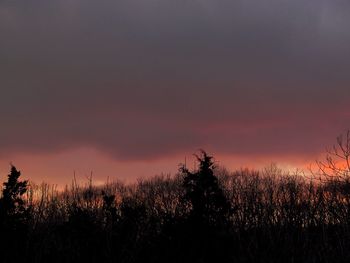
(144, 79)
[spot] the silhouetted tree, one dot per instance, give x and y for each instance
(109, 208)
(12, 207)
(202, 191)
(337, 161)
(13, 217)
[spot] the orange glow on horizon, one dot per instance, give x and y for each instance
(59, 168)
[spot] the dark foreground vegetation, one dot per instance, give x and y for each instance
(205, 215)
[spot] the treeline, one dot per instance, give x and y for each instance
(205, 215)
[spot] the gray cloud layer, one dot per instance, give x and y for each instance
(143, 79)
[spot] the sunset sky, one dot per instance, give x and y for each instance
(129, 88)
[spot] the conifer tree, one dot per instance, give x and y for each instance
(12, 206)
(202, 191)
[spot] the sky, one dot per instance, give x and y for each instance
(130, 88)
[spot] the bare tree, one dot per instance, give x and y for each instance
(336, 165)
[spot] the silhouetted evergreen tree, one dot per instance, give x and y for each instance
(208, 213)
(202, 191)
(12, 207)
(13, 217)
